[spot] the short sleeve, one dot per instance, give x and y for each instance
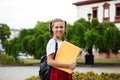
(50, 46)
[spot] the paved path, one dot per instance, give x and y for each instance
(23, 72)
(18, 72)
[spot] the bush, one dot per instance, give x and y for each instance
(33, 78)
(90, 75)
(8, 60)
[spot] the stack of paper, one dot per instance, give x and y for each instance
(67, 53)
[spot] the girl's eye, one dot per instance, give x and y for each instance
(61, 26)
(56, 27)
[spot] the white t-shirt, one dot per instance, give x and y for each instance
(51, 46)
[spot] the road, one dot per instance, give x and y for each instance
(23, 72)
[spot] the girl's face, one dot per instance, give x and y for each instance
(58, 29)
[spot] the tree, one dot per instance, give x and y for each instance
(42, 36)
(111, 39)
(4, 33)
(108, 38)
(30, 41)
(76, 33)
(101, 36)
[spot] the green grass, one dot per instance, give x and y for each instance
(102, 61)
(114, 61)
(30, 61)
(79, 61)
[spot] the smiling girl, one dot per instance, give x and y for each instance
(57, 30)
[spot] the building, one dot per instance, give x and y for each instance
(14, 33)
(103, 10)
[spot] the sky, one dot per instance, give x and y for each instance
(18, 14)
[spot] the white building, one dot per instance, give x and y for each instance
(104, 10)
(14, 33)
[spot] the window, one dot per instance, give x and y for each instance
(118, 11)
(106, 12)
(117, 16)
(95, 12)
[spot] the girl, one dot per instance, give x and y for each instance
(57, 29)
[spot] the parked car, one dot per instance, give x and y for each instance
(24, 56)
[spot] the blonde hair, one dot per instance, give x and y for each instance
(51, 26)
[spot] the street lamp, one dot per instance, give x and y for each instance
(89, 57)
(89, 18)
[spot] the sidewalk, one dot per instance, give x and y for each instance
(18, 72)
(23, 72)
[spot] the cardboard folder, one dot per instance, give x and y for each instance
(67, 53)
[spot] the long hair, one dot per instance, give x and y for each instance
(58, 20)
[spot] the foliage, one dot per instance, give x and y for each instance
(111, 36)
(94, 24)
(76, 33)
(28, 44)
(102, 36)
(90, 75)
(30, 41)
(8, 60)
(90, 38)
(34, 78)
(12, 47)
(4, 33)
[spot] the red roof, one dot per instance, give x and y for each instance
(90, 2)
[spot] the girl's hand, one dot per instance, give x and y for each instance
(72, 66)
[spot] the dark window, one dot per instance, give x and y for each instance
(118, 11)
(117, 16)
(94, 13)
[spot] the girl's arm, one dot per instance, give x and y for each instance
(52, 62)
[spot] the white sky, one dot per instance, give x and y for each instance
(19, 14)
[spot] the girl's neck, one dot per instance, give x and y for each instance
(57, 38)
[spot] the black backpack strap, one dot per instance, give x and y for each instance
(56, 48)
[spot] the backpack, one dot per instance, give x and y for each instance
(44, 71)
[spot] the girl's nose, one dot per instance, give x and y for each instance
(59, 29)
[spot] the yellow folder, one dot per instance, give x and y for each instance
(67, 53)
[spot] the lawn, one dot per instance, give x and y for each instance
(79, 61)
(101, 61)
(30, 61)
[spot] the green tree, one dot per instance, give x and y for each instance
(30, 41)
(101, 36)
(111, 41)
(4, 33)
(76, 33)
(108, 38)
(13, 47)
(42, 36)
